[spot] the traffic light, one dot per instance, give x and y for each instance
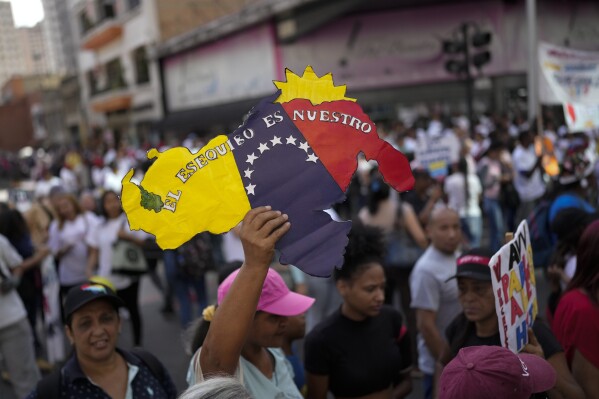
(480, 39)
(455, 67)
(480, 59)
(452, 47)
(467, 48)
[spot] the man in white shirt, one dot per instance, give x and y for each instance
(528, 178)
(433, 297)
(16, 337)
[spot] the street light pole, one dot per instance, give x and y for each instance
(469, 82)
(532, 76)
(477, 56)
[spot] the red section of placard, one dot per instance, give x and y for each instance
(338, 131)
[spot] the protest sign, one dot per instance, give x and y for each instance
(514, 286)
(580, 117)
(571, 75)
(296, 151)
(436, 154)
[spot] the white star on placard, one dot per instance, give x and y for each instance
(250, 188)
(251, 158)
(304, 146)
(276, 140)
(263, 147)
(312, 158)
(291, 140)
(248, 173)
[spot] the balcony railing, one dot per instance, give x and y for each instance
(99, 32)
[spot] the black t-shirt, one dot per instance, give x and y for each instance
(546, 339)
(359, 357)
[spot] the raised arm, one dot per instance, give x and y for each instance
(261, 229)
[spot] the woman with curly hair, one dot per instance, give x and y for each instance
(363, 348)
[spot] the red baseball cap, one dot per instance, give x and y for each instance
(276, 298)
(495, 372)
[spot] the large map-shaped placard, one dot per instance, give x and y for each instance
(297, 152)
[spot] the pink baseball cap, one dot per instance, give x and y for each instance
(495, 372)
(276, 298)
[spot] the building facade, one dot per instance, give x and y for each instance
(59, 37)
(32, 112)
(23, 51)
(9, 51)
(120, 86)
(389, 53)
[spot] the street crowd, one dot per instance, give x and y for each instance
(412, 304)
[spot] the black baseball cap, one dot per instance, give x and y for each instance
(474, 264)
(83, 294)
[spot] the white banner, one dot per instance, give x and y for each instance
(571, 75)
(514, 285)
(581, 117)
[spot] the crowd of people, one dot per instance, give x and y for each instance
(413, 303)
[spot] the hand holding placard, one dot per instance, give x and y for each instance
(514, 286)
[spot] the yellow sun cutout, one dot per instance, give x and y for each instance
(310, 87)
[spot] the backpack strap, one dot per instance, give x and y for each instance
(49, 386)
(150, 361)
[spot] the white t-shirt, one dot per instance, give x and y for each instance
(431, 291)
(11, 307)
(454, 188)
(281, 384)
(523, 160)
(73, 263)
(102, 238)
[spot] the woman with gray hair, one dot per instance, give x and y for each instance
(221, 387)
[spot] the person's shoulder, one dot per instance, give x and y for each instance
(325, 329)
(452, 178)
(4, 241)
(575, 302)
(278, 354)
(518, 151)
(430, 260)
(389, 313)
(457, 325)
(389, 310)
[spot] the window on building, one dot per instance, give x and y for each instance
(142, 70)
(115, 75)
(106, 9)
(133, 3)
(93, 83)
(85, 22)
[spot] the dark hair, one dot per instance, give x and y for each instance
(463, 168)
(568, 225)
(13, 225)
(378, 191)
(586, 276)
(366, 244)
(103, 198)
(199, 330)
(524, 134)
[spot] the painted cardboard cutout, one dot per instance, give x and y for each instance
(296, 151)
(514, 286)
